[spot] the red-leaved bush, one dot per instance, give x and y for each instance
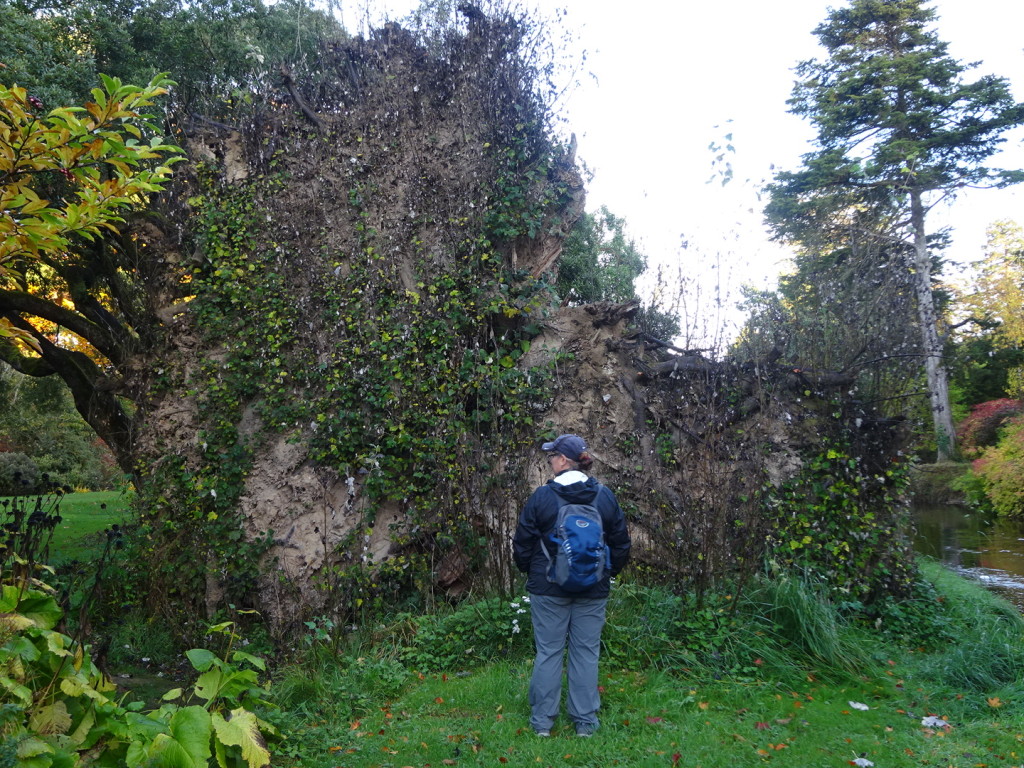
(1001, 469)
(981, 428)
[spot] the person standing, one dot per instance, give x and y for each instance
(560, 616)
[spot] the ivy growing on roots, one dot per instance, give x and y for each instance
(413, 380)
(844, 525)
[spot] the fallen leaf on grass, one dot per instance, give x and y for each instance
(653, 720)
(761, 726)
(676, 757)
(934, 722)
(994, 702)
(702, 705)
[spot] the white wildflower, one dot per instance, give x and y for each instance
(858, 705)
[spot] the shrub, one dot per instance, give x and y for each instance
(981, 428)
(972, 486)
(472, 634)
(1001, 469)
(338, 687)
(940, 483)
(19, 475)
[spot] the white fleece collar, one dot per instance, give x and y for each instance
(570, 477)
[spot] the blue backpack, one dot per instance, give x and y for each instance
(582, 558)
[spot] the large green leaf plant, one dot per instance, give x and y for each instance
(57, 709)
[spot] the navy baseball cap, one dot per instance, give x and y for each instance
(570, 446)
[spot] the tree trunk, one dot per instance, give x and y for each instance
(935, 370)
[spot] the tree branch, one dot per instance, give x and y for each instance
(101, 338)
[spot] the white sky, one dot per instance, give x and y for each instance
(662, 80)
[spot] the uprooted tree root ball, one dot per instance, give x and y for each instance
(363, 350)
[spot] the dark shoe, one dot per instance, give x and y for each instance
(584, 731)
(545, 734)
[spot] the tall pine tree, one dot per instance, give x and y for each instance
(899, 131)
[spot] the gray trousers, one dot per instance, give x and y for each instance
(556, 620)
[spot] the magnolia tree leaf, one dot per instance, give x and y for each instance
(20, 646)
(32, 747)
(208, 684)
(79, 685)
(9, 598)
(256, 661)
(243, 731)
(15, 690)
(50, 720)
(41, 609)
(188, 743)
(166, 752)
(136, 755)
(81, 732)
(57, 644)
(201, 658)
(191, 727)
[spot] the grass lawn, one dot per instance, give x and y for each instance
(661, 720)
(85, 516)
(958, 705)
(787, 701)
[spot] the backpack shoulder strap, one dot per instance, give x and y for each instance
(561, 502)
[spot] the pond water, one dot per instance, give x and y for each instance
(978, 546)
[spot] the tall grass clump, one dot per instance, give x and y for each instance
(780, 624)
(985, 652)
(791, 615)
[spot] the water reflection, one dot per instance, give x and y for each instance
(983, 547)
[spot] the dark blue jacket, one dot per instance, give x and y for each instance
(537, 522)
